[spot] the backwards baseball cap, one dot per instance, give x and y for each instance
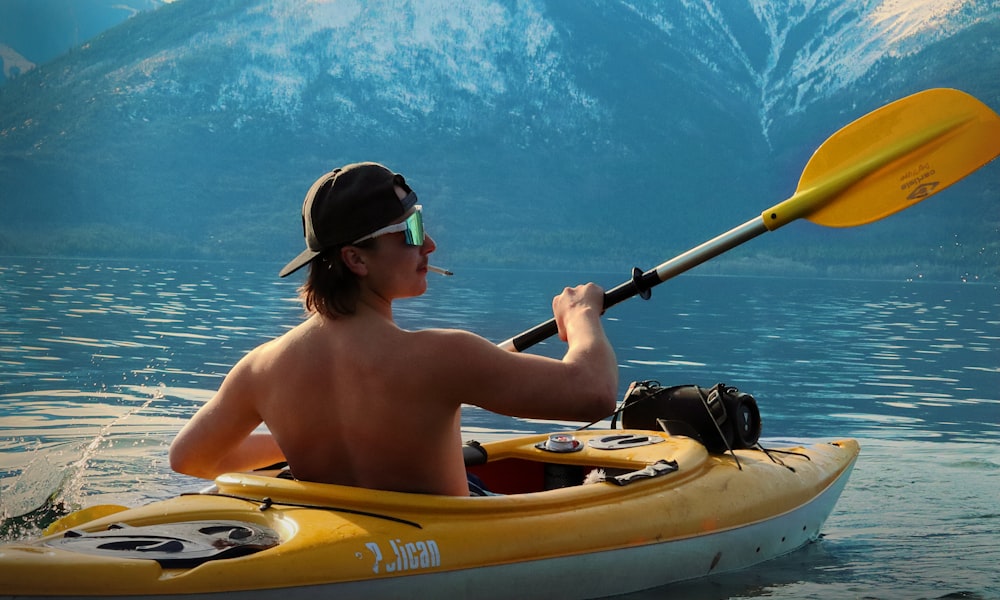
(347, 204)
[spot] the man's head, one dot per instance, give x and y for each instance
(342, 208)
(347, 204)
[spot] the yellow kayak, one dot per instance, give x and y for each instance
(576, 515)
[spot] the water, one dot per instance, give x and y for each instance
(102, 362)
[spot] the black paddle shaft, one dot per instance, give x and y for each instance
(640, 285)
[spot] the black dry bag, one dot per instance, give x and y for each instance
(720, 417)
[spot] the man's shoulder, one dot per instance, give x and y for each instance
(447, 337)
(444, 348)
(272, 351)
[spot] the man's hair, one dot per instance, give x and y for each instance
(332, 289)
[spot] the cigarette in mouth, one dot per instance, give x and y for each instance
(439, 270)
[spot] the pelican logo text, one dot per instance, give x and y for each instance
(915, 182)
(408, 556)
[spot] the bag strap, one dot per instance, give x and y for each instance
(633, 394)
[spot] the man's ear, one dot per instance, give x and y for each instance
(354, 260)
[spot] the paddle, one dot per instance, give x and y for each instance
(888, 160)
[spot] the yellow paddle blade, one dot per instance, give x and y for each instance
(86, 515)
(892, 158)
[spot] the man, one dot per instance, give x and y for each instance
(350, 398)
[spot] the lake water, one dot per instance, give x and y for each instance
(102, 362)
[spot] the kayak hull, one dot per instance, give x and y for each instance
(665, 511)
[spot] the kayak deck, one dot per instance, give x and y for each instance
(661, 498)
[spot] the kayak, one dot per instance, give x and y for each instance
(574, 515)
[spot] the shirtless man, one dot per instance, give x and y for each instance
(348, 397)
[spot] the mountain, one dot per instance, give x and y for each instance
(592, 134)
(36, 31)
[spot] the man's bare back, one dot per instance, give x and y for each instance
(372, 405)
(344, 401)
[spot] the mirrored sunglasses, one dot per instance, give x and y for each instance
(413, 226)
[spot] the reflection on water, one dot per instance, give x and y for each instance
(864, 358)
(102, 362)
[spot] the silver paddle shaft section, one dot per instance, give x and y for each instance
(710, 249)
(640, 284)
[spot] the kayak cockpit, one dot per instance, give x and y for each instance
(528, 465)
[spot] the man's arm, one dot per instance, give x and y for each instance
(582, 386)
(220, 437)
(578, 316)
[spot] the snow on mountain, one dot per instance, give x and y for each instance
(352, 53)
(810, 48)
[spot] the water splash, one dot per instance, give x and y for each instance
(44, 491)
